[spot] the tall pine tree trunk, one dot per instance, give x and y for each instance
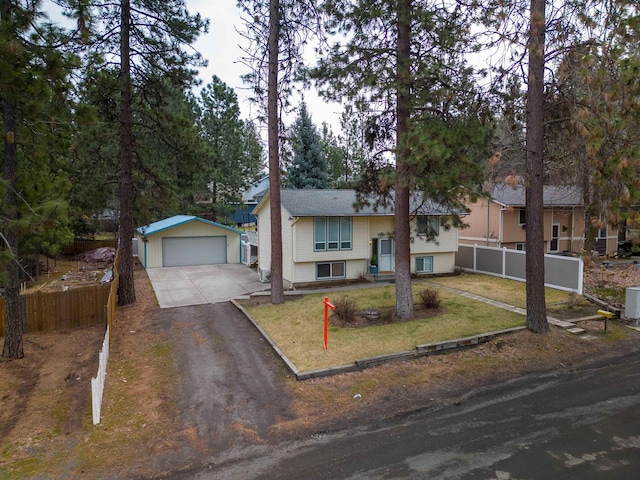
(126, 287)
(13, 344)
(404, 297)
(277, 289)
(536, 307)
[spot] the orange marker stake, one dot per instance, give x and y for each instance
(327, 306)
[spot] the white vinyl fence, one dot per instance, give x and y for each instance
(563, 273)
(97, 384)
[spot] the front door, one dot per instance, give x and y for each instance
(385, 255)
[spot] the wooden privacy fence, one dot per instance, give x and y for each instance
(78, 307)
(47, 311)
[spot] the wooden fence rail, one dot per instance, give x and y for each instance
(48, 311)
(77, 307)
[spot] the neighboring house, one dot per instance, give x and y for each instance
(243, 217)
(325, 238)
(187, 240)
(500, 221)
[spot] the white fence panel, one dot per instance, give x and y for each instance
(97, 383)
(563, 273)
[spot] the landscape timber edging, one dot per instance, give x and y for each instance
(361, 364)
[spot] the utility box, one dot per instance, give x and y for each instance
(632, 304)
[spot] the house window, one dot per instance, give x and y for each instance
(522, 219)
(332, 233)
(602, 232)
(328, 270)
(521, 246)
(429, 226)
(424, 264)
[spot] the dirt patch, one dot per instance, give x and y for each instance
(45, 394)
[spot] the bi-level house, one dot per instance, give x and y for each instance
(325, 238)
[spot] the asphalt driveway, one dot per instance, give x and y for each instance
(201, 284)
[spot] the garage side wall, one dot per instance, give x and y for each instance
(153, 247)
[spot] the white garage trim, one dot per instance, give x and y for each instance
(181, 251)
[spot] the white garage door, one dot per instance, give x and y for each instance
(179, 251)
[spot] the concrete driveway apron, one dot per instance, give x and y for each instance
(199, 284)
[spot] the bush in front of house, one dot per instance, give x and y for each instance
(429, 298)
(345, 309)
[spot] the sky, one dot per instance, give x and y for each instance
(221, 47)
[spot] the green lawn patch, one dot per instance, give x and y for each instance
(297, 326)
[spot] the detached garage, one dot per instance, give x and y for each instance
(187, 240)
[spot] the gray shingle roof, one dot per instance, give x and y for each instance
(553, 196)
(335, 203)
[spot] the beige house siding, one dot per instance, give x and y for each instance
(381, 227)
(306, 271)
(444, 262)
(287, 245)
(446, 241)
(142, 250)
(151, 251)
(264, 237)
(485, 216)
(492, 224)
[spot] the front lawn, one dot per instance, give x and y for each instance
(297, 326)
(503, 290)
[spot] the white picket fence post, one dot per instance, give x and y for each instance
(97, 383)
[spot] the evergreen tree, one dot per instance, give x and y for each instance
(34, 96)
(335, 154)
(277, 33)
(534, 268)
(592, 119)
(148, 39)
(309, 166)
(427, 119)
(234, 152)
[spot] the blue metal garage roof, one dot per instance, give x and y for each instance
(176, 220)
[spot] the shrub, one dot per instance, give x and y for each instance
(429, 298)
(345, 309)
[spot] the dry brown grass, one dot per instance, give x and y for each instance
(496, 288)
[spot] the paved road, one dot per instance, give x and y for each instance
(581, 424)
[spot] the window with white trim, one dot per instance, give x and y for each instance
(424, 264)
(328, 270)
(521, 246)
(331, 233)
(428, 225)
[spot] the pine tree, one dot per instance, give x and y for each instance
(309, 165)
(233, 153)
(34, 94)
(277, 33)
(427, 122)
(534, 269)
(148, 39)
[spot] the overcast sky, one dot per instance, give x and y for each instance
(221, 47)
